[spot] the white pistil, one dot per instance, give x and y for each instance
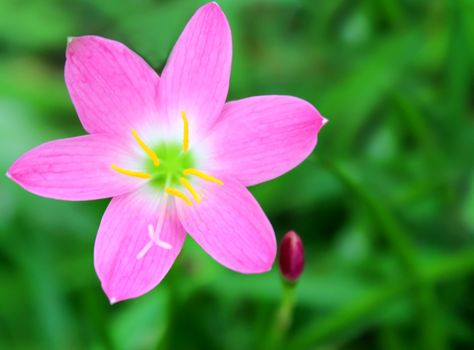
(144, 250)
(154, 233)
(155, 237)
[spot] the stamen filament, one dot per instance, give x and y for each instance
(202, 175)
(190, 188)
(140, 174)
(178, 194)
(185, 132)
(148, 150)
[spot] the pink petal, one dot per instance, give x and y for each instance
(123, 234)
(112, 88)
(260, 138)
(77, 168)
(196, 77)
(231, 227)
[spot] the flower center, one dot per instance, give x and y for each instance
(173, 161)
(167, 169)
(168, 165)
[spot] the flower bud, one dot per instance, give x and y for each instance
(291, 256)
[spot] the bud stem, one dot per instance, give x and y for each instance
(283, 317)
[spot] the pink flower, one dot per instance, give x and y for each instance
(175, 157)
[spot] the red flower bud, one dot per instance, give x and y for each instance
(291, 256)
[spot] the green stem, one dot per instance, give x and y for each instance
(283, 317)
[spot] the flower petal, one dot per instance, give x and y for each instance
(77, 168)
(112, 88)
(260, 138)
(231, 227)
(196, 77)
(123, 234)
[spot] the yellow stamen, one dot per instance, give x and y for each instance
(202, 175)
(139, 174)
(147, 149)
(190, 188)
(185, 132)
(178, 194)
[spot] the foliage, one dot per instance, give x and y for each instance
(385, 205)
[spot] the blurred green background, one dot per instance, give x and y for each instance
(385, 204)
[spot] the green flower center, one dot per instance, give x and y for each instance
(173, 161)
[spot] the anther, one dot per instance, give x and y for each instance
(140, 174)
(202, 175)
(185, 132)
(148, 150)
(190, 188)
(178, 194)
